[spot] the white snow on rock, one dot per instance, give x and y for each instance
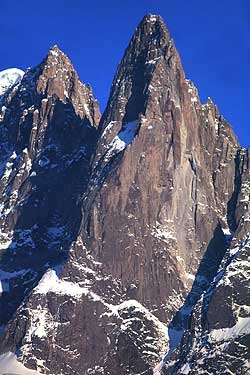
(152, 18)
(108, 128)
(163, 233)
(122, 140)
(5, 238)
(9, 78)
(5, 245)
(51, 283)
(135, 310)
(236, 267)
(242, 327)
(137, 306)
(185, 369)
(226, 231)
(7, 167)
(10, 365)
(41, 323)
(158, 368)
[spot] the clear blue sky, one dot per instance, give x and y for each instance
(212, 38)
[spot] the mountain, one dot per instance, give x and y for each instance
(124, 237)
(48, 130)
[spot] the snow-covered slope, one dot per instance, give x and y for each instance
(9, 365)
(9, 77)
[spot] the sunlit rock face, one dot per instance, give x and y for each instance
(122, 235)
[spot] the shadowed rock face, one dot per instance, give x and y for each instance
(118, 217)
(48, 131)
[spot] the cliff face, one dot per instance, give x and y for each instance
(48, 130)
(162, 174)
(131, 225)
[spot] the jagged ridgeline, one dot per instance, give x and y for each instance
(124, 243)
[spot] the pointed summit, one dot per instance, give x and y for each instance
(151, 17)
(57, 76)
(52, 83)
(135, 70)
(56, 53)
(148, 79)
(149, 41)
(55, 48)
(152, 27)
(150, 45)
(55, 70)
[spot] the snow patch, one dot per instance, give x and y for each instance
(7, 168)
(53, 52)
(226, 231)
(108, 128)
(153, 61)
(124, 138)
(163, 233)
(51, 283)
(10, 365)
(40, 320)
(5, 245)
(242, 327)
(185, 369)
(9, 78)
(152, 18)
(158, 368)
(86, 109)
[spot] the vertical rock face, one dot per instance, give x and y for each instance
(48, 130)
(139, 219)
(155, 199)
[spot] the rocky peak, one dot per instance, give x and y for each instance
(149, 40)
(130, 86)
(58, 77)
(48, 132)
(158, 141)
(147, 87)
(48, 115)
(52, 73)
(56, 51)
(52, 84)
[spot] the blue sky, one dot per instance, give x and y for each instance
(212, 38)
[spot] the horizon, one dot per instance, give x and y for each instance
(96, 46)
